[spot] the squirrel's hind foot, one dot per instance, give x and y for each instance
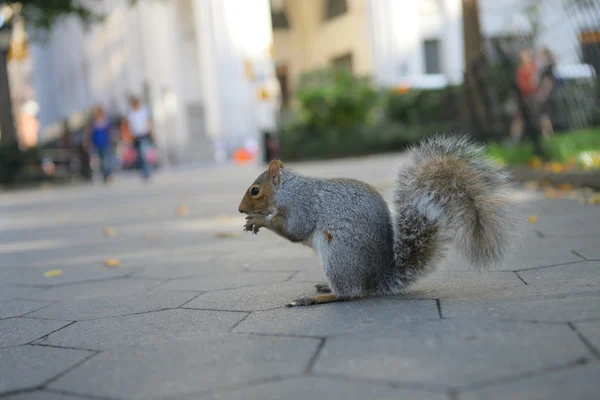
(318, 299)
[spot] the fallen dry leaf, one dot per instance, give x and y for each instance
(55, 273)
(557, 168)
(108, 231)
(112, 262)
(566, 187)
(535, 162)
(226, 235)
(533, 219)
(183, 210)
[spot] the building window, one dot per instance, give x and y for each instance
(343, 62)
(334, 8)
(590, 48)
(279, 20)
(431, 49)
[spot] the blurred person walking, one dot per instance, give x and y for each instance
(101, 138)
(140, 125)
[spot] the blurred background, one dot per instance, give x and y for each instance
(246, 81)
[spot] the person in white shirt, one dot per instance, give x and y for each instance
(140, 126)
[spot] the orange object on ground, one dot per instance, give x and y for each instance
(242, 156)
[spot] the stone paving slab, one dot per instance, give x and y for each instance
(196, 307)
(322, 388)
(579, 382)
(71, 274)
(463, 284)
(429, 353)
(591, 332)
(30, 366)
(144, 329)
(561, 308)
(183, 368)
(226, 281)
(105, 288)
(112, 306)
(17, 308)
(584, 275)
(17, 292)
(42, 395)
(253, 298)
(16, 331)
(340, 318)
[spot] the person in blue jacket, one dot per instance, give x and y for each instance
(101, 139)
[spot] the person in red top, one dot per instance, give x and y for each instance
(528, 82)
(527, 74)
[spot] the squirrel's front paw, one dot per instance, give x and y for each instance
(251, 225)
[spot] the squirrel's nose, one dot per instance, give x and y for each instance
(241, 210)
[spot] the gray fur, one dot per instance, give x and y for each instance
(448, 192)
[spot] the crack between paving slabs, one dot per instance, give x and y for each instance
(125, 315)
(54, 346)
(45, 337)
(78, 395)
(585, 341)
(292, 276)
(453, 394)
(52, 302)
(192, 299)
(241, 386)
(579, 255)
(532, 374)
(315, 357)
(18, 392)
(240, 321)
(392, 384)
(71, 368)
(438, 303)
(289, 335)
(553, 265)
(521, 278)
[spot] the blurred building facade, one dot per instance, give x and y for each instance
(188, 59)
(416, 42)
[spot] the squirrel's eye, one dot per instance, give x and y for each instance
(254, 191)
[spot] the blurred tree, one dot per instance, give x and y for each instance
(43, 14)
(473, 40)
(40, 15)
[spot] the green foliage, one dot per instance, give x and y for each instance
(342, 115)
(334, 101)
(43, 14)
(561, 148)
(422, 106)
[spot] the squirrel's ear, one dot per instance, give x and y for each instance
(275, 168)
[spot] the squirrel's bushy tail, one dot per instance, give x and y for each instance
(449, 191)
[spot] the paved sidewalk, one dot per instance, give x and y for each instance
(193, 311)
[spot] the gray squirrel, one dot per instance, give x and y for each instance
(448, 192)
